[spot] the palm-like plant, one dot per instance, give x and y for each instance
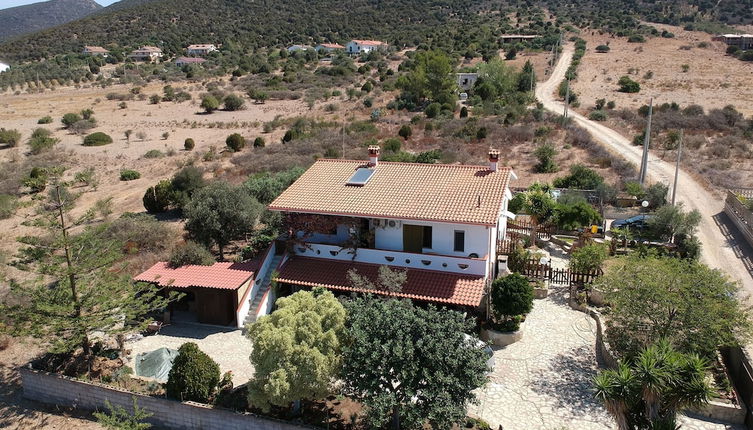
(617, 390)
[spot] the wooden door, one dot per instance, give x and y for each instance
(413, 238)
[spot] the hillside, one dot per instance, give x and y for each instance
(174, 23)
(21, 20)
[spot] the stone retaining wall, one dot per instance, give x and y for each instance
(64, 391)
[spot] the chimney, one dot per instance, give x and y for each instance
(373, 155)
(493, 159)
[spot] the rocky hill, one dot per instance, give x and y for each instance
(21, 20)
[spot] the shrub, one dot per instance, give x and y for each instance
(589, 258)
(628, 85)
(236, 142)
(433, 110)
(190, 253)
(69, 119)
(511, 296)
(463, 112)
(45, 120)
(129, 175)
(598, 115)
(209, 103)
(481, 133)
(154, 153)
(10, 137)
(732, 50)
(405, 131)
(154, 99)
(259, 142)
(636, 38)
(194, 375)
(233, 102)
(545, 154)
(581, 178)
(602, 49)
(8, 205)
(392, 145)
(367, 87)
(189, 144)
(157, 198)
(97, 139)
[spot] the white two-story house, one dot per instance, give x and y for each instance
(439, 222)
(201, 49)
(356, 46)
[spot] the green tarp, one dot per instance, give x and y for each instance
(155, 364)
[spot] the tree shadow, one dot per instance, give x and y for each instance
(568, 381)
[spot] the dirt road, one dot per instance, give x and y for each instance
(719, 250)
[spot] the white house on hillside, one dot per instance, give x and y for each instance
(296, 48)
(146, 53)
(364, 46)
(201, 49)
(329, 47)
(439, 222)
(466, 81)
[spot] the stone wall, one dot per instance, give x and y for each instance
(64, 391)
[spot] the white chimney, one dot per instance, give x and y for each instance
(374, 155)
(493, 160)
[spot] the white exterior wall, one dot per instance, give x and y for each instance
(442, 240)
(356, 48)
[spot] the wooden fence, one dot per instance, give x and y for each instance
(740, 215)
(523, 228)
(534, 269)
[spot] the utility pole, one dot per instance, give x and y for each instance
(646, 143)
(567, 100)
(677, 168)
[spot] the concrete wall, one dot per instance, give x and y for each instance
(442, 238)
(60, 390)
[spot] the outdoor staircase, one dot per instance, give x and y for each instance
(263, 285)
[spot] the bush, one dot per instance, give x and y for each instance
(157, 198)
(602, 49)
(129, 175)
(233, 102)
(259, 142)
(154, 153)
(194, 375)
(545, 154)
(189, 144)
(511, 296)
(97, 139)
(190, 253)
(8, 205)
(45, 120)
(588, 258)
(636, 38)
(405, 131)
(581, 178)
(463, 112)
(236, 142)
(70, 118)
(598, 115)
(433, 110)
(392, 145)
(209, 104)
(628, 85)
(10, 137)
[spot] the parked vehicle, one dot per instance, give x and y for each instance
(636, 223)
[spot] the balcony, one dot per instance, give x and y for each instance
(442, 263)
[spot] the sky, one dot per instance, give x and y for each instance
(4, 4)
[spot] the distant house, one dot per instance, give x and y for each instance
(95, 50)
(514, 38)
(182, 61)
(329, 47)
(466, 81)
(742, 41)
(296, 48)
(146, 53)
(364, 46)
(201, 49)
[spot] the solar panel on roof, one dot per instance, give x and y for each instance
(361, 177)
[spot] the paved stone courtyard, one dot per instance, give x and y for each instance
(543, 381)
(228, 347)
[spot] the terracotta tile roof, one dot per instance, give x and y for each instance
(95, 49)
(369, 42)
(190, 60)
(228, 276)
(431, 192)
(331, 45)
(201, 46)
(425, 285)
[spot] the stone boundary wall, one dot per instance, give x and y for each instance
(65, 391)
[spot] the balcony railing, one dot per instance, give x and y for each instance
(443, 263)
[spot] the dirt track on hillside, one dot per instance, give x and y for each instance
(721, 248)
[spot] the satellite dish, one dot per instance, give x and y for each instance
(644, 203)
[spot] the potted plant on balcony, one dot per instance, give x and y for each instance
(512, 299)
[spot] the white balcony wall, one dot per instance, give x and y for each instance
(340, 237)
(443, 238)
(443, 263)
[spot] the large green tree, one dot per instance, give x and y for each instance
(296, 349)
(410, 366)
(220, 213)
(430, 78)
(496, 80)
(672, 220)
(688, 303)
(81, 289)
